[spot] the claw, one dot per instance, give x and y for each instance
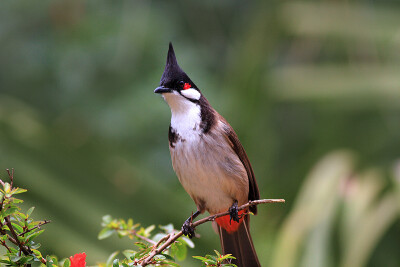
(234, 212)
(188, 229)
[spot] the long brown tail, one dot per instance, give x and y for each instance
(240, 245)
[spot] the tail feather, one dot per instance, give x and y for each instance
(240, 245)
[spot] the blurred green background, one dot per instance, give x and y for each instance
(312, 88)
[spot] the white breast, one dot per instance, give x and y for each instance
(210, 172)
(185, 117)
(207, 167)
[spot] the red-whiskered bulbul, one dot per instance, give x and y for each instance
(210, 162)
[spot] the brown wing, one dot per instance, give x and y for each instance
(254, 194)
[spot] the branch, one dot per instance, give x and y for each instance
(3, 232)
(3, 243)
(13, 236)
(11, 176)
(37, 226)
(22, 248)
(134, 233)
(173, 237)
(145, 239)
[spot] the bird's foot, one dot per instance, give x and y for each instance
(187, 228)
(234, 212)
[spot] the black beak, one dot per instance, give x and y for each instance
(161, 90)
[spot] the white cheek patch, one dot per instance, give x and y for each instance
(191, 94)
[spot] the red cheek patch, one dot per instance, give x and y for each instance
(186, 86)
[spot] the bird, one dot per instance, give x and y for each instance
(210, 162)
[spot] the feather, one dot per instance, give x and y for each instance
(234, 142)
(240, 245)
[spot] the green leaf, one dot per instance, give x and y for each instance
(17, 227)
(54, 259)
(122, 233)
(35, 245)
(143, 252)
(14, 250)
(25, 260)
(104, 233)
(227, 256)
(33, 235)
(129, 253)
(10, 211)
(67, 263)
(111, 258)
(179, 250)
(158, 237)
(17, 201)
(169, 228)
(21, 217)
(49, 262)
(3, 238)
(15, 258)
(170, 263)
(141, 245)
(107, 219)
(200, 258)
(168, 257)
(7, 188)
(187, 241)
(37, 253)
(116, 263)
(205, 259)
(148, 230)
(29, 212)
(18, 190)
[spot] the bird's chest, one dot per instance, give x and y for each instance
(205, 164)
(186, 146)
(195, 170)
(206, 169)
(186, 152)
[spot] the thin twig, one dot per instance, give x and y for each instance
(172, 238)
(144, 238)
(134, 232)
(162, 240)
(3, 243)
(11, 175)
(33, 228)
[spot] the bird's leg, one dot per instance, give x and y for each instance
(187, 228)
(234, 212)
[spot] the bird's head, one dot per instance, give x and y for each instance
(175, 85)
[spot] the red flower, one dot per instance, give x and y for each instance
(78, 260)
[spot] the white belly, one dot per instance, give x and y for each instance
(210, 171)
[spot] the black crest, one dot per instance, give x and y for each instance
(173, 74)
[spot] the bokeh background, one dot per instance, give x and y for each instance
(312, 88)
